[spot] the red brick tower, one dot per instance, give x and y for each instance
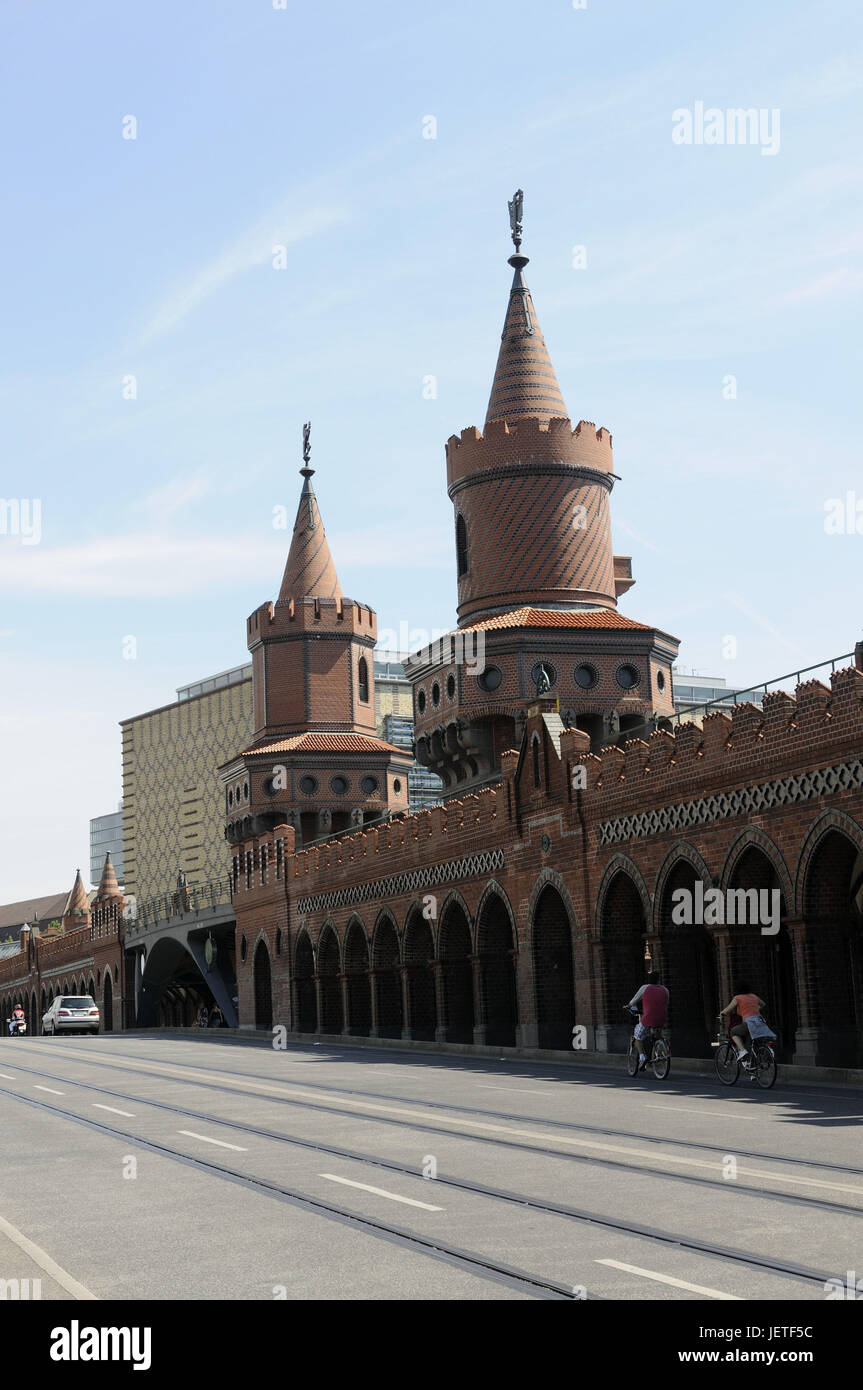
(316, 762)
(538, 581)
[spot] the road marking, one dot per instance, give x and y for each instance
(667, 1279)
(51, 1089)
(380, 1192)
(44, 1261)
(113, 1109)
(284, 1088)
(697, 1114)
(6, 1075)
(521, 1090)
(206, 1140)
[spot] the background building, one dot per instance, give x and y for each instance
(106, 837)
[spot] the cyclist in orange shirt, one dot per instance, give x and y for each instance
(747, 1005)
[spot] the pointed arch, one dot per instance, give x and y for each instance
(305, 994)
(496, 948)
(329, 976)
(455, 949)
(359, 993)
(387, 977)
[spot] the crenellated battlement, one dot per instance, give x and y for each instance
(333, 615)
(528, 440)
(817, 725)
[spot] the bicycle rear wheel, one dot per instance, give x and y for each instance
(661, 1059)
(632, 1058)
(765, 1065)
(727, 1063)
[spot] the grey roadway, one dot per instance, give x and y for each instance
(98, 1202)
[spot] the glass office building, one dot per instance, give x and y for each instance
(106, 837)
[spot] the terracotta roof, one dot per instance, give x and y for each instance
(524, 380)
(559, 617)
(326, 743)
(77, 900)
(309, 571)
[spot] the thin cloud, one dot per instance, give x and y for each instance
(836, 284)
(282, 227)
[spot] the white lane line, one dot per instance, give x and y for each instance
(380, 1192)
(284, 1088)
(697, 1114)
(44, 1261)
(6, 1076)
(207, 1140)
(521, 1090)
(113, 1109)
(667, 1279)
(51, 1090)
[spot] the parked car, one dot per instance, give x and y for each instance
(71, 1014)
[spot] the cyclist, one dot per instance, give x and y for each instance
(654, 999)
(748, 1006)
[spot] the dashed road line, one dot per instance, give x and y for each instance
(667, 1279)
(205, 1138)
(380, 1192)
(44, 1261)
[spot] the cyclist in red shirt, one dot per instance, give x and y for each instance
(654, 999)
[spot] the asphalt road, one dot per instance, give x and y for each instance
(152, 1167)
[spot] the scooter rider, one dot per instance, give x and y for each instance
(17, 1018)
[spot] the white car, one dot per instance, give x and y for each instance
(71, 1014)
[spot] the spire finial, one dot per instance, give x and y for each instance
(516, 208)
(306, 471)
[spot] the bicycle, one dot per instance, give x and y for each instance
(759, 1063)
(656, 1050)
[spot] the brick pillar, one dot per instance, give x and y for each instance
(806, 1042)
(527, 1032)
(479, 1016)
(319, 1003)
(346, 1006)
(442, 1024)
(406, 1003)
(373, 975)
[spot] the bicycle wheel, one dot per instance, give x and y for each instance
(632, 1058)
(765, 1065)
(661, 1059)
(727, 1063)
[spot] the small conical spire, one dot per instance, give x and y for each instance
(77, 900)
(524, 380)
(108, 885)
(310, 571)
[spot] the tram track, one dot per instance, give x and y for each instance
(439, 1249)
(463, 1184)
(132, 1065)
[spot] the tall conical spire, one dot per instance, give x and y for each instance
(310, 571)
(77, 900)
(524, 380)
(108, 885)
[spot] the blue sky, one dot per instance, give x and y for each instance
(303, 127)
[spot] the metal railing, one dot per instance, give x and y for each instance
(734, 697)
(181, 902)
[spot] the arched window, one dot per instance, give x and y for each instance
(461, 546)
(364, 680)
(537, 778)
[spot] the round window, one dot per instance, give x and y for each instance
(491, 678)
(397, 786)
(586, 676)
(339, 785)
(369, 785)
(660, 679)
(543, 671)
(308, 785)
(435, 694)
(230, 797)
(246, 790)
(421, 701)
(627, 677)
(450, 687)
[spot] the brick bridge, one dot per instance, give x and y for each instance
(517, 913)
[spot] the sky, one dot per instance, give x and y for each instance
(159, 354)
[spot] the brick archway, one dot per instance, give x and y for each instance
(455, 948)
(496, 945)
(359, 991)
(419, 950)
(386, 965)
(687, 963)
(329, 977)
(830, 881)
(623, 914)
(304, 985)
(553, 972)
(263, 985)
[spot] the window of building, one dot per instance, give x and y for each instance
(450, 687)
(369, 785)
(339, 785)
(491, 678)
(308, 785)
(627, 677)
(435, 694)
(364, 680)
(537, 777)
(461, 546)
(586, 676)
(421, 701)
